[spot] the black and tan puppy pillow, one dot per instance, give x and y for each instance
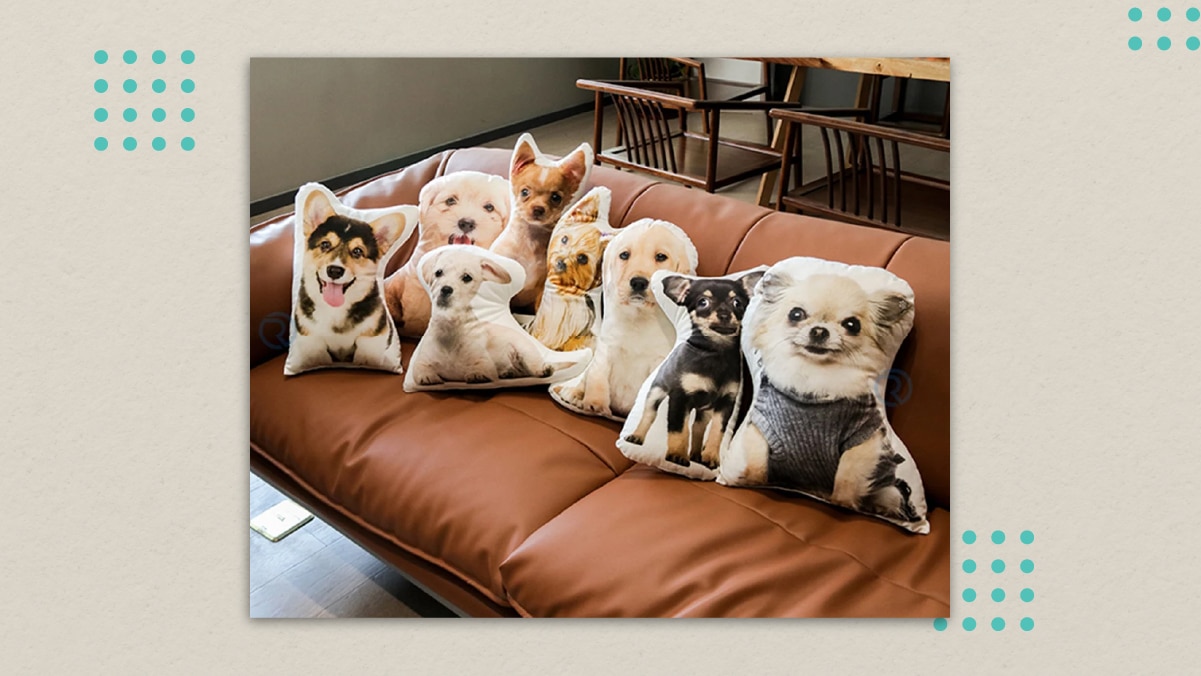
(687, 408)
(819, 338)
(339, 317)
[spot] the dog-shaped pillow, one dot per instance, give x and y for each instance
(463, 207)
(688, 407)
(635, 334)
(568, 317)
(820, 338)
(339, 317)
(472, 341)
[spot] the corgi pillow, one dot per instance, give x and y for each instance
(339, 317)
(820, 338)
(635, 334)
(472, 341)
(462, 207)
(687, 408)
(569, 315)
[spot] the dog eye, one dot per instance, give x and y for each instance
(466, 279)
(437, 273)
(489, 208)
(660, 257)
(851, 324)
(556, 197)
(796, 314)
(450, 201)
(582, 259)
(564, 240)
(357, 253)
(326, 246)
(525, 192)
(624, 255)
(736, 303)
(703, 304)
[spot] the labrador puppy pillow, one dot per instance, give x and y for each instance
(635, 334)
(819, 338)
(473, 341)
(686, 410)
(339, 317)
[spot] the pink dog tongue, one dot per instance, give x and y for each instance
(461, 239)
(333, 294)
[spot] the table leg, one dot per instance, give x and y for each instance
(792, 94)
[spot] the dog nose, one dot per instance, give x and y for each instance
(446, 291)
(819, 334)
(560, 265)
(334, 271)
(639, 283)
(724, 316)
(466, 225)
(538, 212)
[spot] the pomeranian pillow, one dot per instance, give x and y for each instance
(472, 341)
(568, 317)
(635, 335)
(462, 207)
(686, 410)
(339, 317)
(819, 338)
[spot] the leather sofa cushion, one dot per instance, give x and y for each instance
(658, 545)
(459, 478)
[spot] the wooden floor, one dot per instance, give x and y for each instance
(316, 572)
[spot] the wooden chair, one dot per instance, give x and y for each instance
(863, 181)
(652, 145)
(692, 71)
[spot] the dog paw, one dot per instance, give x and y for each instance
(429, 380)
(634, 439)
(547, 372)
(711, 464)
(678, 459)
(478, 379)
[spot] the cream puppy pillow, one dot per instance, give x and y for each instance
(462, 207)
(339, 317)
(472, 341)
(820, 338)
(635, 334)
(687, 409)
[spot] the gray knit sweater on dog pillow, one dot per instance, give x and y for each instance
(807, 436)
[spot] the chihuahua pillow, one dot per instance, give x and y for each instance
(686, 410)
(462, 207)
(568, 317)
(339, 317)
(819, 338)
(472, 341)
(635, 335)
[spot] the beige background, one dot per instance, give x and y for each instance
(1075, 367)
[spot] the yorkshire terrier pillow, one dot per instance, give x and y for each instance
(686, 410)
(472, 341)
(819, 338)
(339, 317)
(568, 317)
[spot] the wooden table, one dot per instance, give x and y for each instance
(933, 68)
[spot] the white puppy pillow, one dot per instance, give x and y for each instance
(635, 334)
(687, 409)
(820, 338)
(472, 341)
(462, 207)
(339, 317)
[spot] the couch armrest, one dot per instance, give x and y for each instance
(271, 252)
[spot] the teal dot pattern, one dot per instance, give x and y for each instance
(1163, 22)
(115, 71)
(1008, 605)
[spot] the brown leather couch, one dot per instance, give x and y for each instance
(501, 503)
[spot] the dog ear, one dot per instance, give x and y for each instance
(750, 279)
(888, 308)
(386, 229)
(587, 210)
(428, 265)
(524, 154)
(495, 273)
(772, 284)
(317, 210)
(676, 288)
(577, 164)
